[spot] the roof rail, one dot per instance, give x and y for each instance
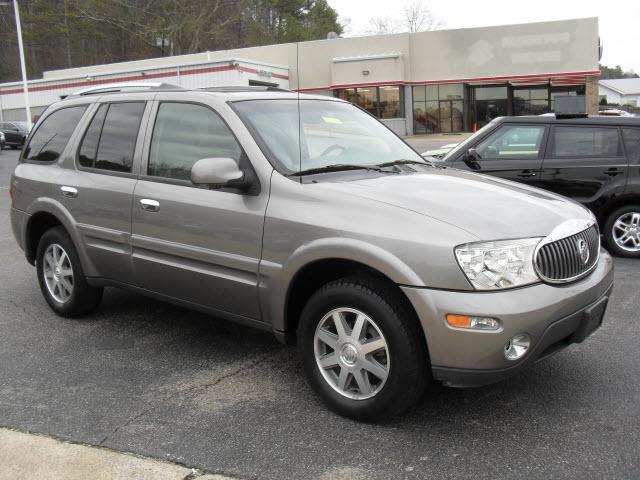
(124, 87)
(244, 88)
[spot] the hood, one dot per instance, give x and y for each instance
(487, 207)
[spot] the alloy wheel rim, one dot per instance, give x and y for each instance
(58, 273)
(626, 231)
(351, 353)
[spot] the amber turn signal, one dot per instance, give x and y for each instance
(472, 323)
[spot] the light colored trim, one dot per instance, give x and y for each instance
(361, 58)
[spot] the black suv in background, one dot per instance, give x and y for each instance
(592, 160)
(15, 133)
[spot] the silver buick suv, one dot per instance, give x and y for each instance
(305, 216)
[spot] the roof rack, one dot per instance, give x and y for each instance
(124, 87)
(244, 88)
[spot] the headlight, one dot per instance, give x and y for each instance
(501, 264)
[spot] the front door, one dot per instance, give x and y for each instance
(191, 243)
(585, 162)
(511, 151)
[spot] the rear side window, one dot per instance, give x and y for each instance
(53, 134)
(631, 138)
(586, 142)
(185, 133)
(111, 137)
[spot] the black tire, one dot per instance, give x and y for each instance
(409, 371)
(613, 247)
(84, 298)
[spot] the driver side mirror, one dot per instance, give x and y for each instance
(471, 159)
(219, 173)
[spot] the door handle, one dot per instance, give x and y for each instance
(526, 174)
(149, 205)
(612, 172)
(70, 192)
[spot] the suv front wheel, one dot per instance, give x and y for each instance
(61, 278)
(362, 348)
(622, 231)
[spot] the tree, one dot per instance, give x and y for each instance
(416, 16)
(71, 33)
(615, 72)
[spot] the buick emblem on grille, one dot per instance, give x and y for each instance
(583, 250)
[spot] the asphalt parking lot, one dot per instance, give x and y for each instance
(145, 377)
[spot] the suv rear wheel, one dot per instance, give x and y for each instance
(362, 349)
(61, 278)
(622, 231)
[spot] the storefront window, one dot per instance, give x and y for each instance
(389, 101)
(490, 93)
(385, 101)
(451, 91)
(530, 101)
(438, 108)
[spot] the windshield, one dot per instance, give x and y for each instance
(331, 133)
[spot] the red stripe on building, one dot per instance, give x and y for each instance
(130, 78)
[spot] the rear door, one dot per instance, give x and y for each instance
(585, 163)
(191, 243)
(99, 190)
(512, 151)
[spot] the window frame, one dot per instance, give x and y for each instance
(41, 120)
(139, 135)
(144, 164)
(541, 150)
(550, 154)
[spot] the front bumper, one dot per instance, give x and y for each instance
(553, 316)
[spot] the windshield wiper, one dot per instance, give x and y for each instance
(404, 161)
(337, 167)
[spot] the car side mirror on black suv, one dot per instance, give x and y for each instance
(471, 159)
(219, 173)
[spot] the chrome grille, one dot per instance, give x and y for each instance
(562, 260)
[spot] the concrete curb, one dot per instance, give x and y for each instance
(28, 456)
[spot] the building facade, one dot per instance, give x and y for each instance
(444, 81)
(624, 91)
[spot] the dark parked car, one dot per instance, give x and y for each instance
(14, 133)
(593, 160)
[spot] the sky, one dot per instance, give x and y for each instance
(619, 20)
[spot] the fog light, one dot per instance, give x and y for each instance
(517, 346)
(473, 323)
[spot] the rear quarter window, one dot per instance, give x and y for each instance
(631, 137)
(50, 139)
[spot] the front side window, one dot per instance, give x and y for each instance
(512, 141)
(110, 140)
(586, 142)
(185, 133)
(53, 134)
(317, 133)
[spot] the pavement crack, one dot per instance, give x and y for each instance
(185, 391)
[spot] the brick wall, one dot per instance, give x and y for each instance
(591, 94)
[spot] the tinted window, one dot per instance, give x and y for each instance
(185, 133)
(632, 143)
(53, 134)
(512, 141)
(586, 142)
(89, 148)
(118, 138)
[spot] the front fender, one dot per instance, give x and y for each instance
(276, 279)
